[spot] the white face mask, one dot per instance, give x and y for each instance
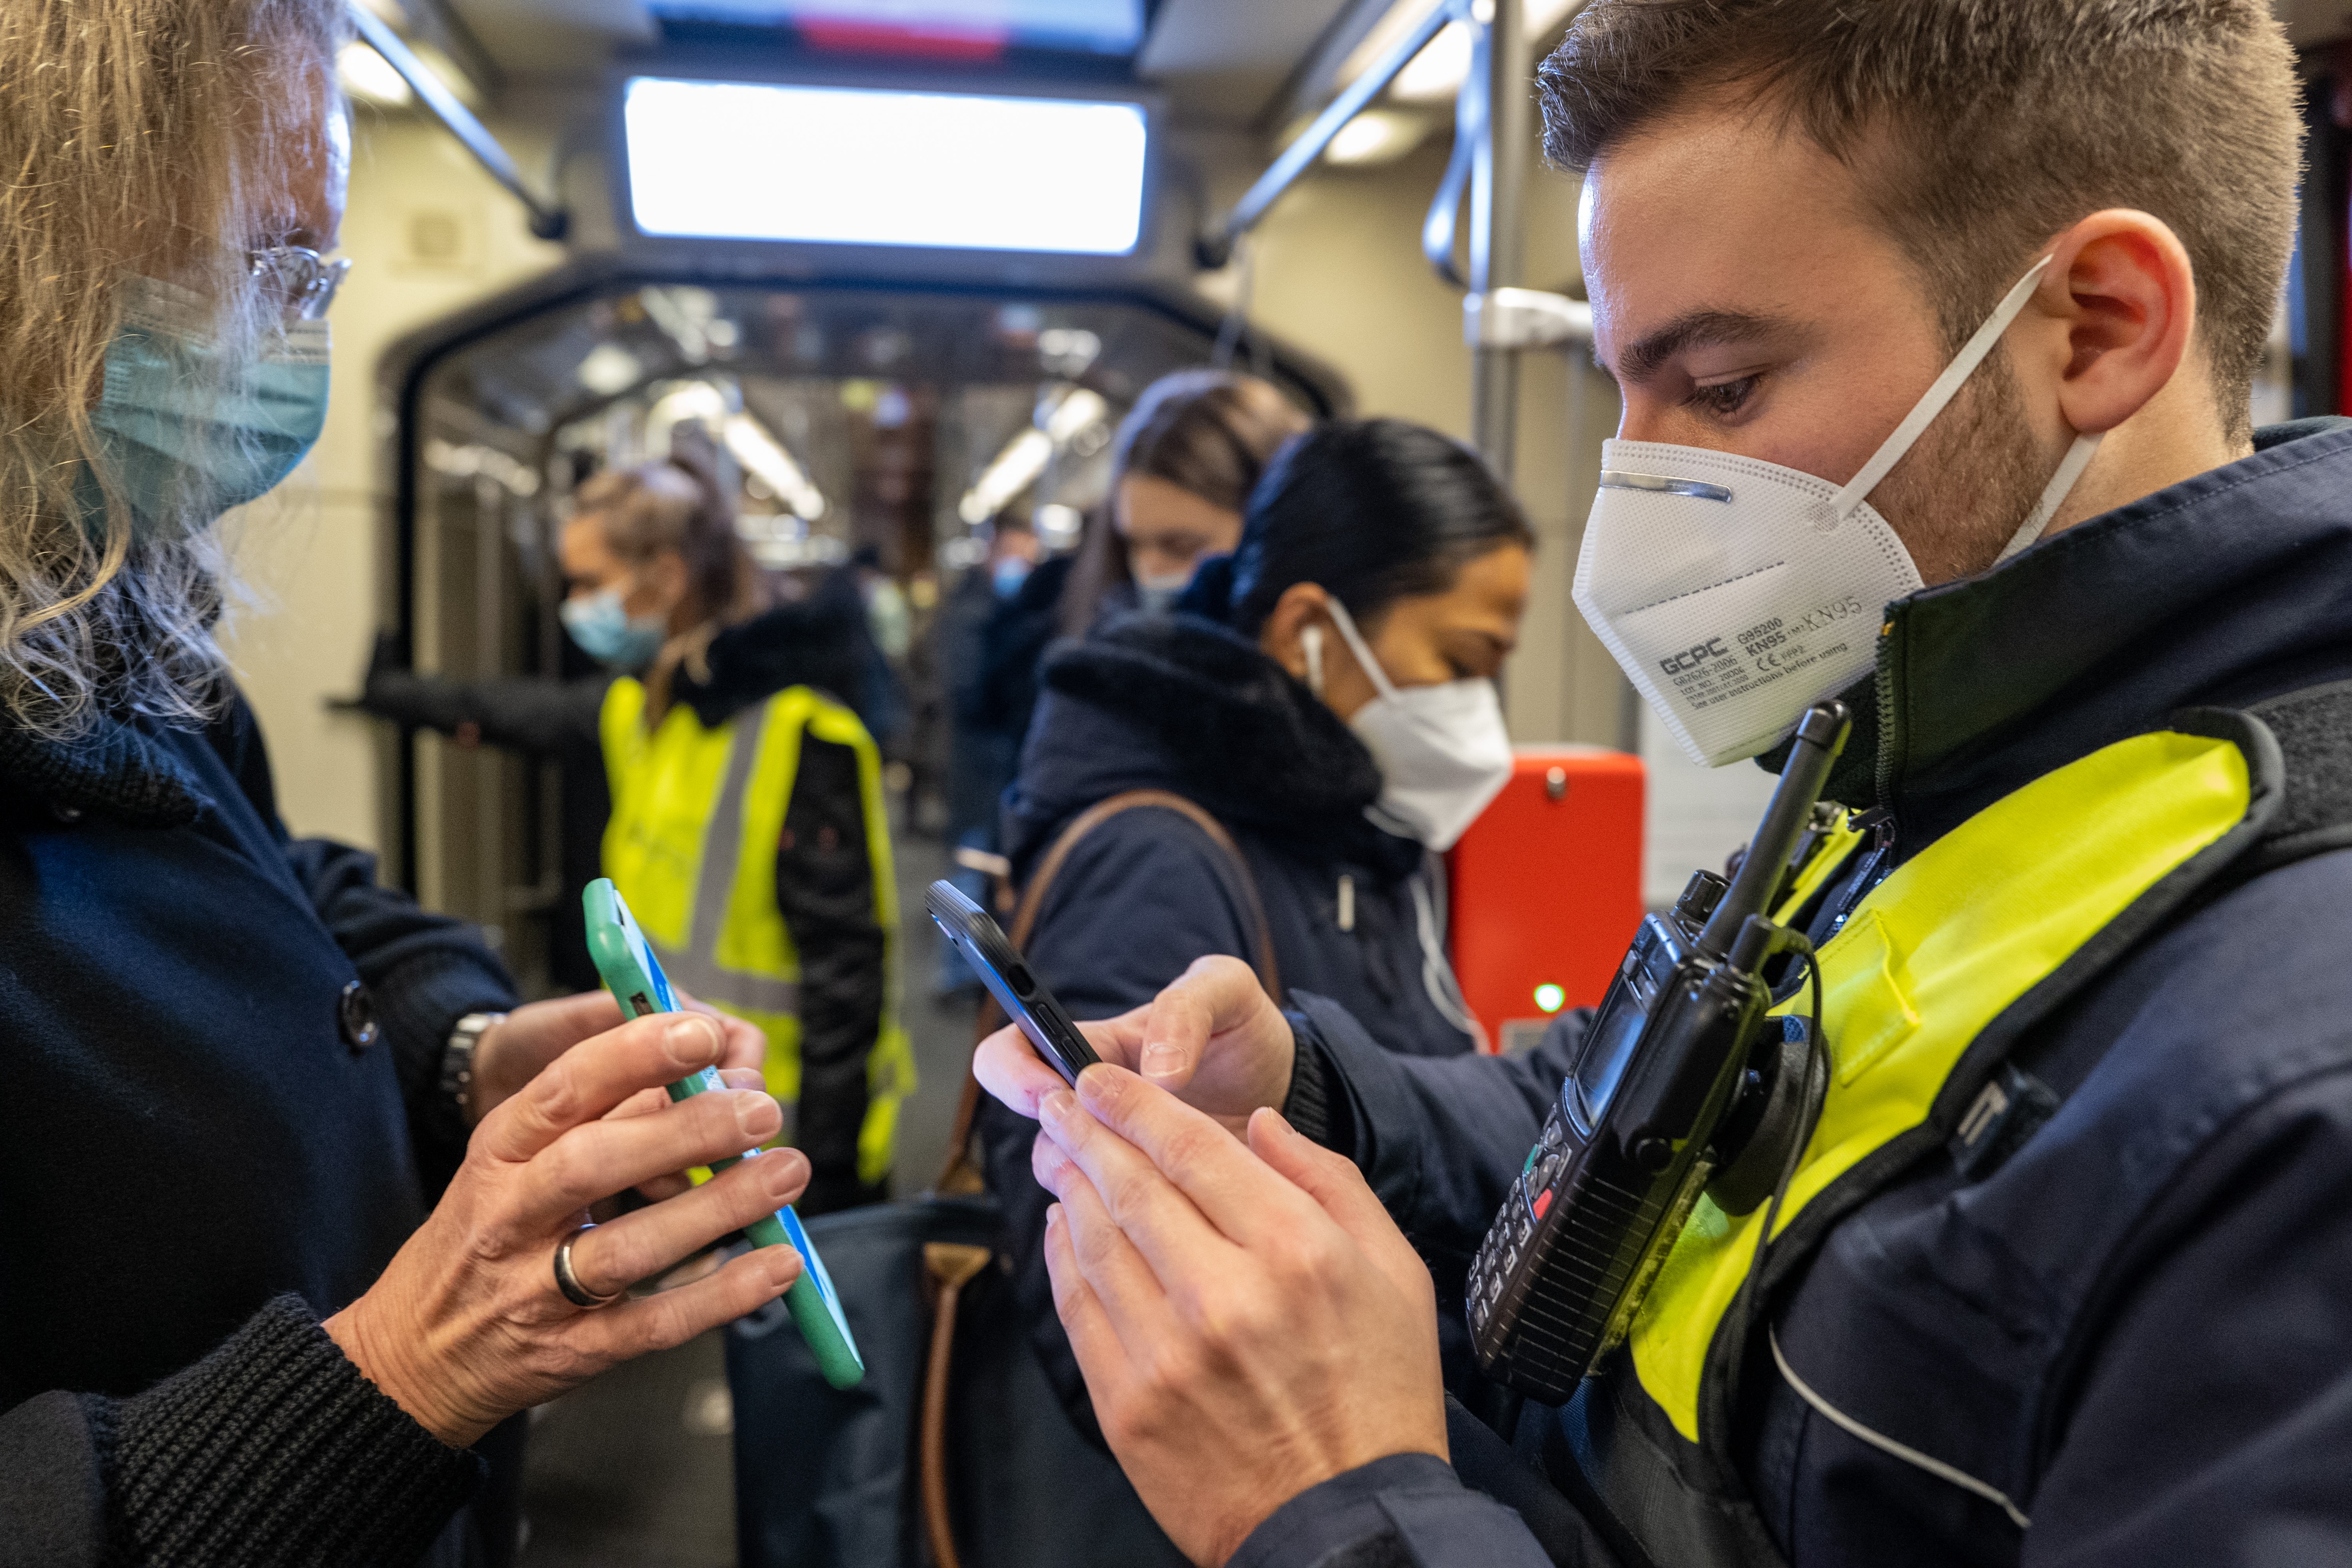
(1442, 750)
(1736, 592)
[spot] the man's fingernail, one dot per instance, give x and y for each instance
(756, 1114)
(1162, 1059)
(783, 1268)
(1057, 1105)
(691, 1042)
(1053, 1215)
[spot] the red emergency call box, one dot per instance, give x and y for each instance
(1547, 889)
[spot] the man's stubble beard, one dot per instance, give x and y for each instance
(1959, 495)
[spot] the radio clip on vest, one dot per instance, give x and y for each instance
(1683, 1085)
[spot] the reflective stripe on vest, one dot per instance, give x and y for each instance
(697, 819)
(1938, 949)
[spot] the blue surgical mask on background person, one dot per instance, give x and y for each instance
(608, 634)
(1158, 593)
(1008, 575)
(180, 447)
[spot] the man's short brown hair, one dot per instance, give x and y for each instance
(2003, 122)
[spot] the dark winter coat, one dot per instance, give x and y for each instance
(2138, 1327)
(222, 1047)
(1176, 704)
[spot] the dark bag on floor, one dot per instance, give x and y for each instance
(954, 1452)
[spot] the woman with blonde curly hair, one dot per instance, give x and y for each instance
(239, 1071)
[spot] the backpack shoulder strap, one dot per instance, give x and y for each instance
(960, 1174)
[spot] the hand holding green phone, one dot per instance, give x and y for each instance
(635, 977)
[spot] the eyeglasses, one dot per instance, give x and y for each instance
(303, 281)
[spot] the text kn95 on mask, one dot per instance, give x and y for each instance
(1714, 583)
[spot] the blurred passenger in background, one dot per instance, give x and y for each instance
(981, 759)
(746, 829)
(890, 627)
(239, 1071)
(1183, 463)
(1327, 694)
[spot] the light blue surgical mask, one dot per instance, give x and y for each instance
(1158, 594)
(180, 447)
(608, 634)
(1007, 576)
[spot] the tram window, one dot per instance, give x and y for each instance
(852, 167)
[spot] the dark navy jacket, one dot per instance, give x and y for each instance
(2139, 1326)
(221, 1047)
(1178, 703)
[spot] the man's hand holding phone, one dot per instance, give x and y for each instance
(1214, 1038)
(1249, 1320)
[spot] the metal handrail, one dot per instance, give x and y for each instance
(548, 222)
(1216, 247)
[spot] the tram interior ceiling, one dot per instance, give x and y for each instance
(861, 382)
(842, 421)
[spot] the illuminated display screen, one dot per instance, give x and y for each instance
(1075, 27)
(852, 167)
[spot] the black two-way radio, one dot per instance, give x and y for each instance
(1683, 1084)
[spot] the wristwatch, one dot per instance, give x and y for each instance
(457, 1056)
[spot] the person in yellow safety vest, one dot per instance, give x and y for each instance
(1936, 324)
(748, 831)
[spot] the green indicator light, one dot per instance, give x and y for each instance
(1549, 997)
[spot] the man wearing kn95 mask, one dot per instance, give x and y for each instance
(1935, 322)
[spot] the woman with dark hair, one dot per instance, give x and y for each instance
(1183, 463)
(1327, 695)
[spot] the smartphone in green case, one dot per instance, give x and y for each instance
(635, 977)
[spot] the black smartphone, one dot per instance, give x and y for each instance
(1027, 1003)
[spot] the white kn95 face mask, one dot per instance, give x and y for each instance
(1442, 750)
(1736, 592)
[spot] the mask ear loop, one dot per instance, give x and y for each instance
(2062, 484)
(1945, 388)
(1347, 634)
(1310, 640)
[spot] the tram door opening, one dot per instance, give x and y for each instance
(870, 430)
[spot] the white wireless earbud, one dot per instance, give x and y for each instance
(1311, 639)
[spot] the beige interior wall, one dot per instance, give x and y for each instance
(1339, 272)
(428, 232)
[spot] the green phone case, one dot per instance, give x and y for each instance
(635, 977)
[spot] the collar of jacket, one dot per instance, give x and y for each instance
(1233, 731)
(814, 642)
(2229, 587)
(108, 766)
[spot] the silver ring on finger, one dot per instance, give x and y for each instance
(567, 1281)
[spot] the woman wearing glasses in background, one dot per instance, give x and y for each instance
(238, 1072)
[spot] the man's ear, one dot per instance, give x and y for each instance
(2121, 284)
(1302, 604)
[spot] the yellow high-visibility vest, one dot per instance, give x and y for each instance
(1935, 953)
(697, 817)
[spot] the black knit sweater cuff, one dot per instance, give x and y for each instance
(275, 1450)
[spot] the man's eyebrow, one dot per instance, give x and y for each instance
(1642, 360)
